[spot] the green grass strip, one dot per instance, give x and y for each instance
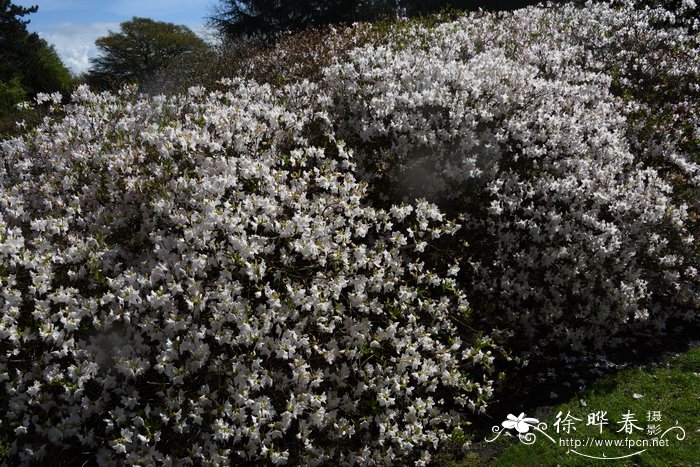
(658, 398)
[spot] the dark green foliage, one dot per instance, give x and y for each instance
(11, 93)
(234, 18)
(28, 65)
(26, 56)
(239, 17)
(12, 27)
(141, 48)
(44, 71)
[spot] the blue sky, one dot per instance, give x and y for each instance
(73, 25)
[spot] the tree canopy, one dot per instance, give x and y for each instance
(28, 65)
(12, 26)
(236, 17)
(25, 58)
(141, 47)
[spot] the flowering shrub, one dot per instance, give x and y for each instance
(511, 121)
(196, 279)
(279, 273)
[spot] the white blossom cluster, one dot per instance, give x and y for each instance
(512, 121)
(197, 280)
(286, 274)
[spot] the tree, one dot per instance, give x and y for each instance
(44, 70)
(141, 47)
(25, 56)
(233, 18)
(236, 17)
(12, 28)
(28, 65)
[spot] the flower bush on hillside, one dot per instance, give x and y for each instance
(197, 280)
(512, 122)
(290, 273)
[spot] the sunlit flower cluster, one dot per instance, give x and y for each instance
(197, 279)
(514, 121)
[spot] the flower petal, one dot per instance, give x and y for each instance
(522, 427)
(509, 424)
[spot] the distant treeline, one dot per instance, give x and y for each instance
(237, 17)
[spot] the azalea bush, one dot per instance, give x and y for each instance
(529, 125)
(197, 279)
(330, 271)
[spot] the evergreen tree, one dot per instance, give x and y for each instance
(236, 17)
(15, 40)
(28, 64)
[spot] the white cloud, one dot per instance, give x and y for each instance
(75, 43)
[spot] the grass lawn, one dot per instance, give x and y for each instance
(669, 390)
(663, 396)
